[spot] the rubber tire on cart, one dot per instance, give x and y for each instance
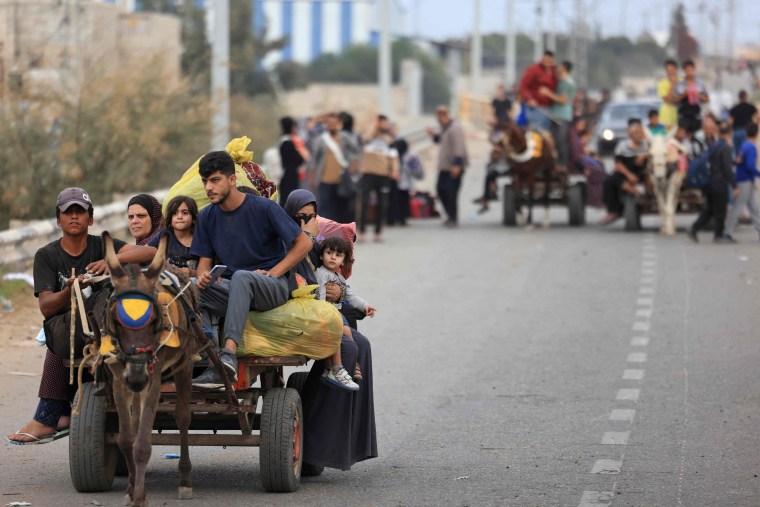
(92, 462)
(297, 381)
(631, 213)
(510, 206)
(281, 451)
(576, 205)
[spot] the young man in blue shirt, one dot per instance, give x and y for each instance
(744, 194)
(257, 241)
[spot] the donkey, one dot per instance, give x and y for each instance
(149, 339)
(529, 167)
(668, 168)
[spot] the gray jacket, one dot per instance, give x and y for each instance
(350, 149)
(452, 148)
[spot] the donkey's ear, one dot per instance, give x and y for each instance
(158, 262)
(114, 266)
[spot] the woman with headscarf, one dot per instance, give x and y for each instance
(144, 218)
(339, 425)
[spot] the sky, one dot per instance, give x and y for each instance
(454, 18)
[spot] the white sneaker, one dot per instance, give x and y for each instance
(341, 379)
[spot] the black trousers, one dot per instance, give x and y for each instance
(448, 193)
(716, 203)
(612, 192)
(381, 185)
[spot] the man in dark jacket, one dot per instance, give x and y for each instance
(721, 177)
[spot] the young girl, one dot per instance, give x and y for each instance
(332, 254)
(181, 217)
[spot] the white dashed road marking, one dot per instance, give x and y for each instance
(622, 414)
(618, 416)
(633, 374)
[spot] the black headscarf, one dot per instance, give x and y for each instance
(153, 207)
(297, 199)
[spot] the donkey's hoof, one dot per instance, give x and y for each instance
(128, 500)
(184, 493)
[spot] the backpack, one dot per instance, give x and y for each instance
(698, 174)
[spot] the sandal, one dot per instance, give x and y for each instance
(38, 440)
(357, 372)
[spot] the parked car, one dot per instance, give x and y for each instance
(613, 123)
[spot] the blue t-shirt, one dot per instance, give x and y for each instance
(747, 169)
(257, 235)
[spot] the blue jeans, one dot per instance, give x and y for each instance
(740, 135)
(538, 118)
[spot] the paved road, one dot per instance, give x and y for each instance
(564, 367)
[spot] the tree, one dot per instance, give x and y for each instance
(358, 64)
(685, 45)
(123, 133)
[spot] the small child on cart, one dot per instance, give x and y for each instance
(332, 254)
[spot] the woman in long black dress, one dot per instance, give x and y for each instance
(339, 425)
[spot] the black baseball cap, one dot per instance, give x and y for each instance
(73, 195)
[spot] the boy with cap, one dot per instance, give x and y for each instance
(83, 252)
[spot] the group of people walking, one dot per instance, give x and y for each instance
(370, 177)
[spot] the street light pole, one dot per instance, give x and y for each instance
(538, 44)
(476, 53)
(384, 61)
(220, 71)
(510, 52)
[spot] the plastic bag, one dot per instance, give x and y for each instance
(302, 326)
(190, 183)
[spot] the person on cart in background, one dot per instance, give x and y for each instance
(631, 158)
(690, 93)
(665, 90)
(539, 75)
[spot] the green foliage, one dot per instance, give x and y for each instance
(358, 64)
(10, 287)
(292, 75)
(129, 132)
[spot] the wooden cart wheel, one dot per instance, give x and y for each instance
(281, 449)
(92, 462)
(510, 206)
(576, 205)
(631, 213)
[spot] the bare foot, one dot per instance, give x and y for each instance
(63, 423)
(34, 428)
(378, 239)
(360, 239)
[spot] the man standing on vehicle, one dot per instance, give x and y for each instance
(690, 93)
(630, 165)
(452, 161)
(721, 178)
(562, 113)
(257, 241)
(542, 74)
(665, 89)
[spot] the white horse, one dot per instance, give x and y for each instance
(668, 168)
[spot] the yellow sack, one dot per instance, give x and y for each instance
(302, 326)
(190, 183)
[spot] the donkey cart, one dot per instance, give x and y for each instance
(94, 457)
(570, 193)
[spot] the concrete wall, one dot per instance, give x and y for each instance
(40, 37)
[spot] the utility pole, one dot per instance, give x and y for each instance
(731, 29)
(384, 61)
(510, 51)
(476, 52)
(219, 10)
(538, 44)
(551, 42)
